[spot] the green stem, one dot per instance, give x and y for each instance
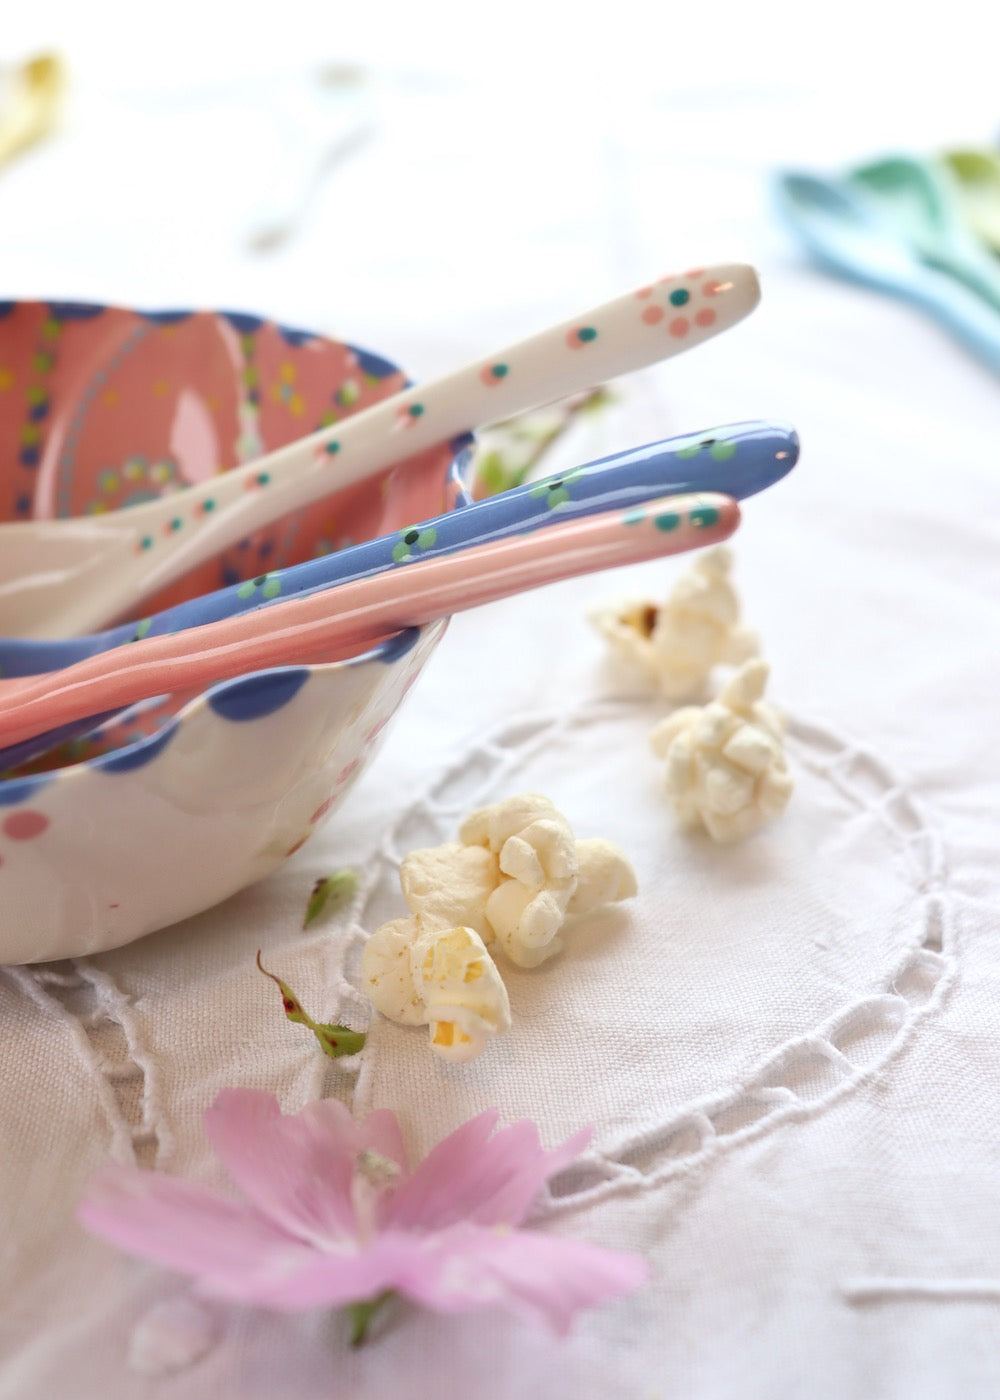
(360, 1315)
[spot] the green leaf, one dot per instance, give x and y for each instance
(335, 1041)
(329, 894)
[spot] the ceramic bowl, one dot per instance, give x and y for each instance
(105, 407)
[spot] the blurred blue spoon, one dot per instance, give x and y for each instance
(919, 199)
(845, 235)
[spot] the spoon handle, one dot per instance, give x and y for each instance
(960, 311)
(737, 460)
(157, 542)
(974, 270)
(328, 626)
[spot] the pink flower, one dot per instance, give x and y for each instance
(334, 1217)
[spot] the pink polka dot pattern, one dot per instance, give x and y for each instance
(661, 301)
(24, 826)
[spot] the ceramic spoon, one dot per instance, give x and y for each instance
(977, 177)
(737, 460)
(334, 623)
(916, 198)
(843, 235)
(73, 575)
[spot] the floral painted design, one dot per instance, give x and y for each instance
(268, 584)
(555, 490)
(412, 543)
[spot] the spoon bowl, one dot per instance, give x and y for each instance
(844, 234)
(918, 199)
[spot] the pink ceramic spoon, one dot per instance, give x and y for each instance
(341, 621)
(65, 576)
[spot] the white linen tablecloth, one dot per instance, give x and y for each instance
(789, 1049)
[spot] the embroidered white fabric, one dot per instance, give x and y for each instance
(788, 1048)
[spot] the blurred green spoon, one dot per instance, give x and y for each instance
(844, 234)
(917, 199)
(976, 174)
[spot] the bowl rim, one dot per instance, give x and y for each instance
(15, 788)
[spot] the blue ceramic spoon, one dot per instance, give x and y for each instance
(737, 460)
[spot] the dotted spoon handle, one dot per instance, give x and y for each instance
(132, 554)
(328, 625)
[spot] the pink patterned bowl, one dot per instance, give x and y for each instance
(102, 407)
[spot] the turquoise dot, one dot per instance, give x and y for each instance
(208, 505)
(586, 333)
(680, 297)
(263, 478)
(176, 523)
(146, 542)
(704, 516)
(416, 409)
(669, 520)
(634, 517)
(499, 371)
(333, 448)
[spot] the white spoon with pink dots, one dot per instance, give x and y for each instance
(76, 574)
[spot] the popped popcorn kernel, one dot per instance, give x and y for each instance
(678, 644)
(541, 866)
(460, 988)
(512, 881)
(441, 978)
(726, 768)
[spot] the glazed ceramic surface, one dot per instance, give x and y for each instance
(194, 796)
(737, 459)
(64, 576)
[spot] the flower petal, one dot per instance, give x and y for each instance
(321, 1280)
(379, 1132)
(295, 1168)
(550, 1279)
(542, 1277)
(444, 1187)
(471, 1176)
(183, 1225)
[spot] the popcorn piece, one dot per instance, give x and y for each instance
(697, 628)
(463, 993)
(513, 878)
(441, 978)
(726, 768)
(539, 863)
(604, 876)
(387, 973)
(449, 885)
